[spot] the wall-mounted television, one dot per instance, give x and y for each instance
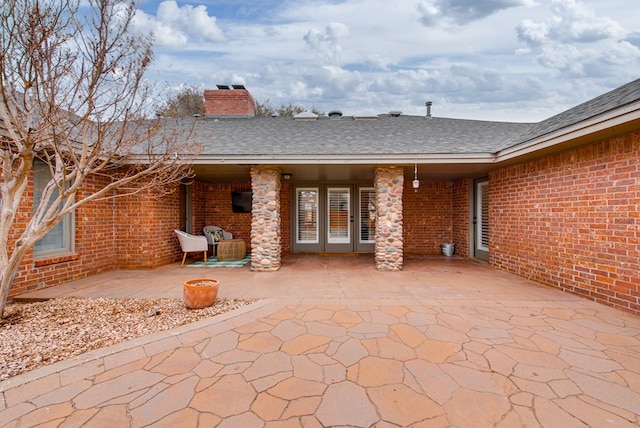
(241, 201)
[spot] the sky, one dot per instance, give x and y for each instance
(501, 60)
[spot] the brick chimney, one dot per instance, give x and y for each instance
(228, 102)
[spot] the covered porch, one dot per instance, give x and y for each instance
(383, 211)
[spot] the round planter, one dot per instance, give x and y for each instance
(200, 293)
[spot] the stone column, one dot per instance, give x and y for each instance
(266, 246)
(389, 183)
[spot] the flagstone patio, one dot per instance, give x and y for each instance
(445, 342)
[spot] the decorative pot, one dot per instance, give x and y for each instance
(200, 293)
(448, 249)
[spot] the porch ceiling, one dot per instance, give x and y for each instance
(331, 172)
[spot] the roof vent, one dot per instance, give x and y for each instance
(395, 113)
(223, 86)
(238, 87)
(275, 114)
(305, 115)
(365, 117)
(428, 104)
(335, 114)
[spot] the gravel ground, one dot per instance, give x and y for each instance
(37, 334)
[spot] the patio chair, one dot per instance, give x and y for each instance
(215, 234)
(191, 243)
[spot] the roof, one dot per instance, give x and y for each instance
(349, 136)
(615, 99)
(394, 137)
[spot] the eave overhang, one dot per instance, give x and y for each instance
(347, 159)
(608, 125)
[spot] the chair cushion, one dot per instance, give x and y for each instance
(216, 235)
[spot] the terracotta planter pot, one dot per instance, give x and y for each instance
(200, 293)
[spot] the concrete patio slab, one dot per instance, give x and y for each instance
(446, 342)
(326, 277)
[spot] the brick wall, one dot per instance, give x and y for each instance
(229, 102)
(126, 232)
(572, 221)
(218, 211)
(143, 232)
(200, 207)
(93, 245)
(129, 232)
(136, 231)
(460, 217)
(428, 220)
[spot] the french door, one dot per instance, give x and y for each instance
(332, 218)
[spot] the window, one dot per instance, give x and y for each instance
(367, 215)
(60, 239)
(307, 215)
(482, 216)
(339, 230)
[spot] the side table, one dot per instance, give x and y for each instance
(231, 249)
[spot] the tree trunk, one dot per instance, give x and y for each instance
(7, 274)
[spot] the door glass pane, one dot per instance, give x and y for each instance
(307, 215)
(367, 215)
(338, 215)
(482, 217)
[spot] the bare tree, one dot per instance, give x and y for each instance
(265, 109)
(188, 101)
(74, 97)
(315, 110)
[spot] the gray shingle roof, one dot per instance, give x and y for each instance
(617, 98)
(346, 136)
(387, 135)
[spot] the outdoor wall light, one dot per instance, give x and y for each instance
(416, 182)
(287, 176)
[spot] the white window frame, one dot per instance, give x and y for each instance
(66, 241)
(339, 239)
(317, 212)
(367, 213)
(482, 189)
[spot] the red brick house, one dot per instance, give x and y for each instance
(556, 201)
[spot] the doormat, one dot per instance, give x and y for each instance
(214, 262)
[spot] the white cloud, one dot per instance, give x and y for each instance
(565, 58)
(174, 26)
(302, 93)
(532, 33)
(571, 22)
(327, 43)
(453, 13)
(350, 56)
(576, 41)
(164, 35)
(377, 61)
